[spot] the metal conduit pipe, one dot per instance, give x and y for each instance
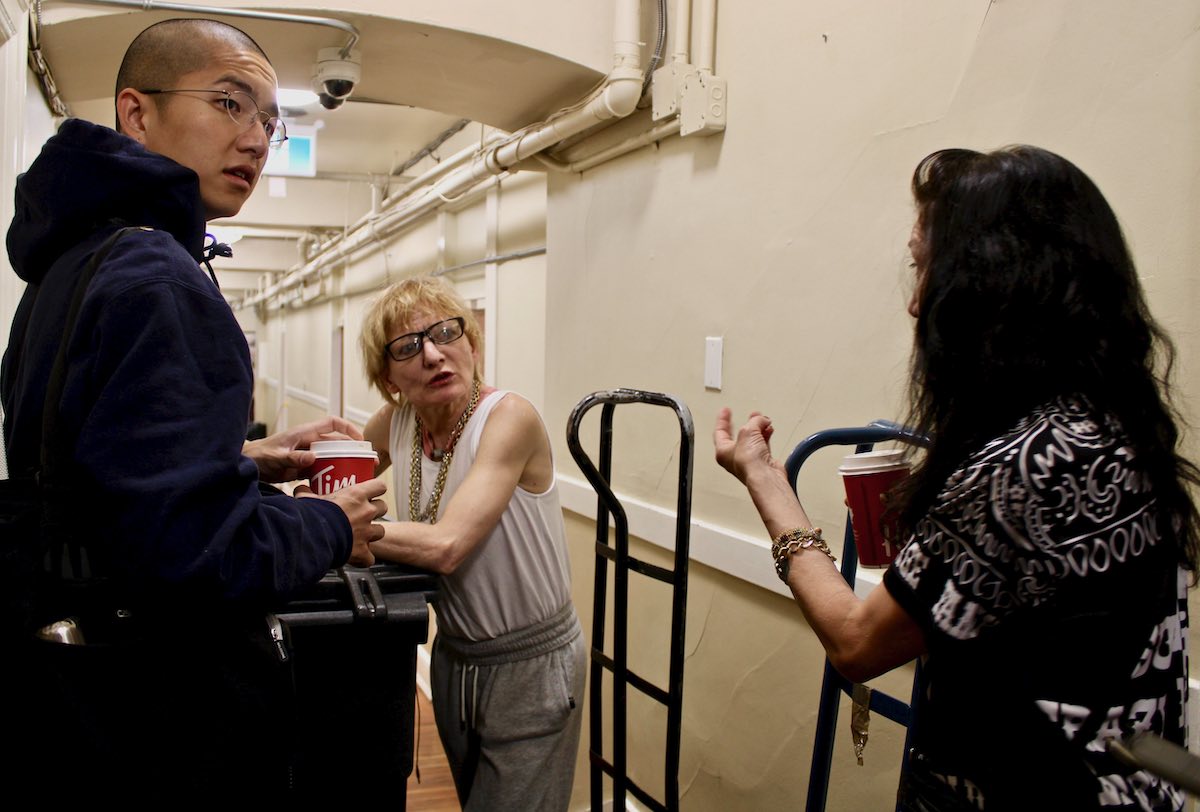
(369, 235)
(656, 133)
(683, 30)
(429, 148)
(444, 168)
(618, 96)
(706, 34)
(616, 99)
(370, 220)
(424, 179)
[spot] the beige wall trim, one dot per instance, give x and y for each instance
(304, 396)
(358, 416)
(731, 552)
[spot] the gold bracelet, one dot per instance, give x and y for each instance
(798, 538)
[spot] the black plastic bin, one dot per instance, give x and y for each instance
(352, 644)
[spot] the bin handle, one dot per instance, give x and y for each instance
(368, 605)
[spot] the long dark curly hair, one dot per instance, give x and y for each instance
(1026, 291)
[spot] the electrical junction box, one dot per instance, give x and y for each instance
(702, 105)
(667, 87)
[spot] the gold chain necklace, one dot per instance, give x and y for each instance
(414, 475)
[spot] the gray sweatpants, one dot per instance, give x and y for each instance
(509, 712)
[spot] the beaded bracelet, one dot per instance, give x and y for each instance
(795, 539)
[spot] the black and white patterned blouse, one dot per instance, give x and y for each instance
(1055, 615)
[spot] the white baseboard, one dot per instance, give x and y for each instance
(731, 552)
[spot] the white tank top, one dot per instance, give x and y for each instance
(517, 576)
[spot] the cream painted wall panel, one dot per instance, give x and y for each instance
(415, 251)
(301, 412)
(521, 332)
(327, 203)
(268, 401)
(259, 254)
(361, 398)
(308, 337)
(466, 234)
(522, 218)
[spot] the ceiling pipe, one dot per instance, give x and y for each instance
(429, 148)
(658, 132)
(681, 35)
(683, 30)
(706, 34)
(368, 230)
(616, 97)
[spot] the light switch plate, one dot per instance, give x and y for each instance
(714, 348)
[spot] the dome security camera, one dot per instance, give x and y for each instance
(335, 76)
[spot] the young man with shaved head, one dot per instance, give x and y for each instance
(178, 691)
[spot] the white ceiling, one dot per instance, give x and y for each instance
(418, 79)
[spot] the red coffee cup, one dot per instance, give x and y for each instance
(867, 477)
(340, 464)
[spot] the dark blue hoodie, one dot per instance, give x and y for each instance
(158, 386)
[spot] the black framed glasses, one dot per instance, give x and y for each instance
(410, 345)
(241, 107)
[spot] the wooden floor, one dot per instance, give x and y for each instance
(435, 792)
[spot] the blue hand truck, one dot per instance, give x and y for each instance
(833, 684)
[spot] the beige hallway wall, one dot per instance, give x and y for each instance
(786, 236)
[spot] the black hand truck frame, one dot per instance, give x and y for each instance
(618, 554)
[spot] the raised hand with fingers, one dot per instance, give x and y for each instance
(751, 447)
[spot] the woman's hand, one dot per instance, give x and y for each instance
(751, 448)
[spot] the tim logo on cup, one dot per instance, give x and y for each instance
(326, 481)
(340, 464)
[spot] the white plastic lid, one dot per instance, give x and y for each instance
(324, 449)
(871, 462)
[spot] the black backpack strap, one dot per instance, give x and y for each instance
(58, 373)
(55, 453)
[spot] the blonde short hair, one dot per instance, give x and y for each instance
(396, 306)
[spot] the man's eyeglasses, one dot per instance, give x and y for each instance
(242, 108)
(409, 345)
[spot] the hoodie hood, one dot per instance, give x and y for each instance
(87, 176)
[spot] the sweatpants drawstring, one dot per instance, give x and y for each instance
(474, 693)
(462, 695)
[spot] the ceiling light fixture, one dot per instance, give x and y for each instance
(295, 97)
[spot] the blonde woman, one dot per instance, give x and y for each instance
(475, 488)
